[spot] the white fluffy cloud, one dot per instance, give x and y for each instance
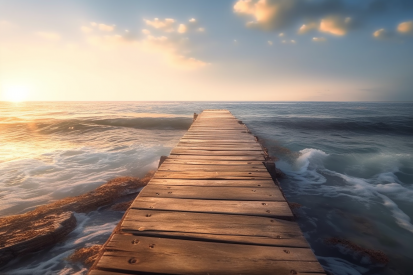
(182, 28)
(405, 27)
(171, 43)
(166, 25)
(336, 25)
(170, 25)
(335, 17)
(175, 49)
(383, 34)
(308, 27)
(266, 14)
(99, 26)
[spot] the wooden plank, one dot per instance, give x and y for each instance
(209, 192)
(211, 175)
(218, 141)
(252, 208)
(224, 147)
(218, 148)
(212, 168)
(232, 143)
(261, 183)
(170, 256)
(216, 157)
(170, 161)
(214, 227)
(102, 272)
(177, 151)
(219, 137)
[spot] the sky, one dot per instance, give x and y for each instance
(207, 50)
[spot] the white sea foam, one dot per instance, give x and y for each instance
(309, 169)
(339, 266)
(401, 218)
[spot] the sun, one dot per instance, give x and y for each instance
(15, 93)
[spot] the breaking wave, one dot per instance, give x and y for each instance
(378, 125)
(51, 126)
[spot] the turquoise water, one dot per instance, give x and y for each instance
(349, 165)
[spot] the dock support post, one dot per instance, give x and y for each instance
(161, 160)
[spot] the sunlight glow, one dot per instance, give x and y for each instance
(15, 93)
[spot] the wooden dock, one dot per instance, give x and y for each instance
(211, 208)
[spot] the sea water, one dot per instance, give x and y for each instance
(349, 165)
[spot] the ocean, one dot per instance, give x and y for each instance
(349, 165)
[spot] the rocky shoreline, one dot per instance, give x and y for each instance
(49, 224)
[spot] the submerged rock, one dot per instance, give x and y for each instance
(122, 206)
(86, 255)
(22, 236)
(48, 224)
(375, 255)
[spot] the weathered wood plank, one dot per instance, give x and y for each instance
(212, 168)
(261, 183)
(102, 272)
(218, 149)
(178, 151)
(216, 157)
(222, 147)
(216, 227)
(211, 175)
(170, 256)
(209, 192)
(253, 208)
(170, 161)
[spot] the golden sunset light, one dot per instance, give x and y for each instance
(206, 137)
(17, 93)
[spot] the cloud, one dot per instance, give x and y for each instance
(307, 27)
(169, 25)
(319, 39)
(106, 28)
(188, 62)
(336, 17)
(175, 48)
(336, 25)
(51, 36)
(268, 15)
(182, 28)
(166, 25)
(405, 27)
(171, 44)
(383, 34)
(101, 26)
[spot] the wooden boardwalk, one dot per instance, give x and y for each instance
(211, 208)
